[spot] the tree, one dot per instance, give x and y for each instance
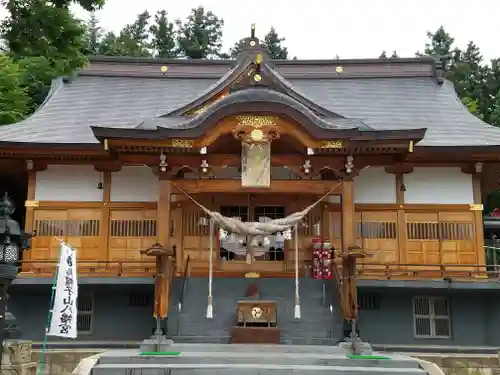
(440, 45)
(14, 101)
(88, 5)
(135, 36)
(93, 35)
(163, 36)
(59, 35)
(276, 50)
(201, 35)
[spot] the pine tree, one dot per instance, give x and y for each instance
(201, 35)
(273, 43)
(163, 36)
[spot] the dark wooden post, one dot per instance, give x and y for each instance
(163, 276)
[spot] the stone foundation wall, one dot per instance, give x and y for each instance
(464, 364)
(63, 361)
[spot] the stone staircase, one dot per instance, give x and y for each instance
(238, 359)
(319, 324)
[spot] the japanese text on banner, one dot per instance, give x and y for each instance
(64, 310)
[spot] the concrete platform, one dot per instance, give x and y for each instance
(247, 359)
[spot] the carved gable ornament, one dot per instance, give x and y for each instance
(256, 129)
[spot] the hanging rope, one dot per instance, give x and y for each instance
(210, 308)
(297, 296)
(236, 226)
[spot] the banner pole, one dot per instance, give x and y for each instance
(41, 364)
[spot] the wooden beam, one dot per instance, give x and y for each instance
(234, 186)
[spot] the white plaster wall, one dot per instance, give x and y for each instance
(134, 184)
(75, 183)
(374, 185)
(438, 185)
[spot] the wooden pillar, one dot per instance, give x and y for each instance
(349, 292)
(29, 220)
(106, 169)
(399, 171)
(401, 219)
(348, 216)
(478, 219)
(163, 213)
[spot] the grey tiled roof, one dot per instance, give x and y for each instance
(380, 103)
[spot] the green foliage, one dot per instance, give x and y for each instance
(201, 35)
(14, 100)
(89, 5)
(276, 50)
(163, 36)
(476, 83)
(59, 37)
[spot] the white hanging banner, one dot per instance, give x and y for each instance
(64, 310)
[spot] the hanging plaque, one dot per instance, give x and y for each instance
(256, 165)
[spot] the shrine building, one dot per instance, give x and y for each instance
(118, 156)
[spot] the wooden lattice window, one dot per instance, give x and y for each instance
(70, 228)
(440, 231)
(376, 230)
(272, 212)
(133, 228)
(368, 301)
(139, 299)
(240, 212)
(85, 307)
(431, 317)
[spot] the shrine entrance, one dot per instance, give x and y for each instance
(272, 253)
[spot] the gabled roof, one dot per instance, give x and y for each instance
(376, 94)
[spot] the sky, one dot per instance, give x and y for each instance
(317, 29)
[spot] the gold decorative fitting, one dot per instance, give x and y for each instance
(410, 146)
(164, 69)
(181, 143)
(339, 69)
(106, 147)
(256, 121)
(257, 78)
(332, 144)
(32, 204)
(252, 275)
(257, 312)
(199, 110)
(257, 135)
(258, 58)
(476, 207)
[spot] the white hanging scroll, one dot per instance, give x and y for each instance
(64, 310)
(256, 165)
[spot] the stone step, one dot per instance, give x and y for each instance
(245, 369)
(247, 358)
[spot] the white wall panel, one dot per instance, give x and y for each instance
(374, 185)
(134, 184)
(75, 183)
(438, 185)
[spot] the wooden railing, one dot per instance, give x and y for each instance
(138, 268)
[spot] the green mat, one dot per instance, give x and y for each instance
(353, 356)
(161, 353)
